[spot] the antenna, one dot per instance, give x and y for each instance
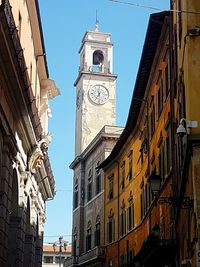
(96, 23)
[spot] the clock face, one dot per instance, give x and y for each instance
(99, 94)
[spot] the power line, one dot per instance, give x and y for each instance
(154, 8)
(136, 5)
(57, 235)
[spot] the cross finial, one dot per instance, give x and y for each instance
(96, 23)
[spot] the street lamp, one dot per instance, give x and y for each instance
(155, 184)
(60, 244)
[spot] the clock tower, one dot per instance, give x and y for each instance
(95, 88)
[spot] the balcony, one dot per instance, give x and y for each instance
(95, 69)
(71, 261)
(93, 255)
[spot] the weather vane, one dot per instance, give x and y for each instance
(96, 23)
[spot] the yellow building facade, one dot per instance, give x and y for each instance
(159, 227)
(186, 109)
(129, 217)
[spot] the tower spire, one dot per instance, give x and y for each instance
(96, 23)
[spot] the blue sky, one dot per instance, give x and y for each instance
(64, 23)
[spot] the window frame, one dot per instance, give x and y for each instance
(89, 237)
(123, 175)
(111, 187)
(123, 222)
(130, 216)
(97, 232)
(89, 186)
(130, 162)
(111, 229)
(76, 198)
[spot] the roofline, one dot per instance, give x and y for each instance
(155, 24)
(101, 135)
(42, 36)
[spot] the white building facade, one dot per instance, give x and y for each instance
(95, 136)
(54, 256)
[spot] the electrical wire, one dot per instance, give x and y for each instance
(136, 5)
(154, 8)
(57, 235)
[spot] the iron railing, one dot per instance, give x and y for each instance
(95, 69)
(96, 253)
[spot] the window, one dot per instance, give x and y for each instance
(159, 96)
(168, 153)
(111, 187)
(142, 154)
(98, 59)
(48, 259)
(123, 222)
(89, 237)
(146, 202)
(74, 242)
(145, 199)
(59, 259)
(130, 216)
(89, 186)
(130, 172)
(97, 232)
(161, 163)
(121, 261)
(123, 175)
(142, 205)
(98, 180)
(166, 81)
(111, 229)
(152, 117)
(76, 195)
(143, 149)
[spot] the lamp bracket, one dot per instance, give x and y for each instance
(184, 203)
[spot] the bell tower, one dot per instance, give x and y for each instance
(95, 88)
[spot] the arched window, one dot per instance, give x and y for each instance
(74, 242)
(130, 213)
(75, 202)
(123, 220)
(97, 232)
(89, 236)
(98, 179)
(111, 228)
(89, 186)
(98, 59)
